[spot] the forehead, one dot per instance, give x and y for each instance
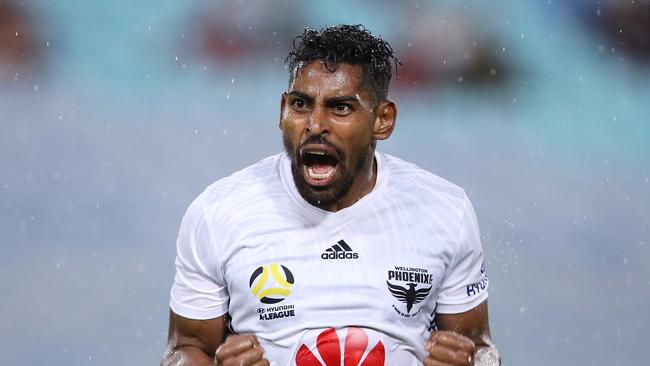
(314, 78)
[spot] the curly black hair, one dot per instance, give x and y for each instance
(351, 44)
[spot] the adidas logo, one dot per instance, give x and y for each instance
(340, 250)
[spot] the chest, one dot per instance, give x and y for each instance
(335, 273)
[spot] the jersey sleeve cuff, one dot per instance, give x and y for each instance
(443, 308)
(196, 314)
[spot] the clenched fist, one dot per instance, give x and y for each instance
(449, 349)
(240, 350)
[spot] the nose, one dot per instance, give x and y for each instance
(317, 123)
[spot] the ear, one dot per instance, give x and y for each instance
(283, 103)
(385, 120)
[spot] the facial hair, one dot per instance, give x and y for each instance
(323, 196)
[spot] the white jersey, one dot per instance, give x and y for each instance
(359, 286)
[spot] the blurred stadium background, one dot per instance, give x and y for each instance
(114, 115)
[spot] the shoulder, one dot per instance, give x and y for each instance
(407, 177)
(242, 187)
(218, 213)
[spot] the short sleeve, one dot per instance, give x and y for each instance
(465, 284)
(199, 291)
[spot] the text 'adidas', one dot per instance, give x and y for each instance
(340, 250)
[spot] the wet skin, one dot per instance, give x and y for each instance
(333, 113)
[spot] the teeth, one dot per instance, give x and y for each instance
(314, 175)
(317, 152)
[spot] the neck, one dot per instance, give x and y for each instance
(363, 184)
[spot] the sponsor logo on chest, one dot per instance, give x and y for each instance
(353, 341)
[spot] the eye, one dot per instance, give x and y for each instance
(298, 103)
(343, 109)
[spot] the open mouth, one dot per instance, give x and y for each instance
(320, 164)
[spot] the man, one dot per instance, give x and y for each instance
(333, 253)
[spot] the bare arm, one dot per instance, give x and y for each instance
(193, 342)
(473, 326)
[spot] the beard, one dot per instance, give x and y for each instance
(333, 193)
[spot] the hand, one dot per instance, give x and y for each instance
(449, 349)
(240, 350)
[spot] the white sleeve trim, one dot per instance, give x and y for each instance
(461, 308)
(197, 314)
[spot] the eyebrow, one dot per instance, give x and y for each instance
(342, 99)
(301, 95)
(329, 101)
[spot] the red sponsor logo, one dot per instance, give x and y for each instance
(329, 349)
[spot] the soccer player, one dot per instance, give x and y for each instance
(331, 253)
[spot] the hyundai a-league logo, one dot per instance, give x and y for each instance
(271, 283)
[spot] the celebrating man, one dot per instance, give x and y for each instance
(331, 253)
